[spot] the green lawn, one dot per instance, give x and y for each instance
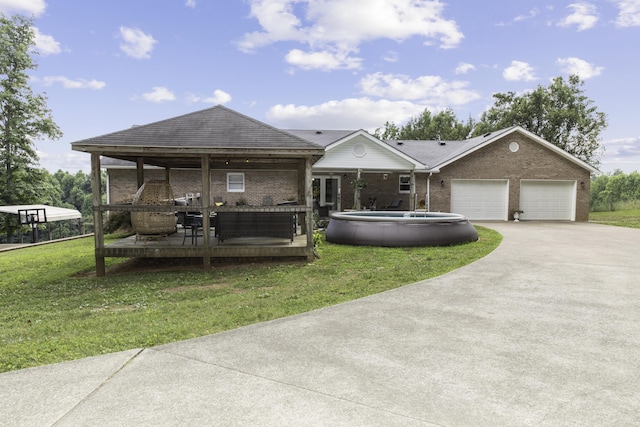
(622, 218)
(53, 308)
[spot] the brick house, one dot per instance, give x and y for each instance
(491, 176)
(484, 178)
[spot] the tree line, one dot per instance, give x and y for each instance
(615, 191)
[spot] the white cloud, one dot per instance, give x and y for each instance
(629, 14)
(432, 90)
(73, 84)
(135, 43)
(623, 153)
(219, 97)
(464, 68)
(25, 7)
(190, 3)
(329, 29)
(518, 71)
(584, 16)
(325, 60)
(71, 161)
(391, 56)
(582, 68)
(352, 113)
(45, 44)
(532, 14)
(159, 94)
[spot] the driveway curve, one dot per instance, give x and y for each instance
(543, 331)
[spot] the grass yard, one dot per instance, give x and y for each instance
(53, 308)
(622, 218)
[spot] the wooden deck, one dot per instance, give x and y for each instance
(172, 246)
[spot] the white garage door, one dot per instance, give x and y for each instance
(548, 200)
(480, 199)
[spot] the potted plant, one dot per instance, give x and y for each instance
(516, 215)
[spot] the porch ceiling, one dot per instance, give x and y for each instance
(179, 159)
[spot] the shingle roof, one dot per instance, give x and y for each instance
(428, 152)
(216, 127)
(434, 154)
(321, 137)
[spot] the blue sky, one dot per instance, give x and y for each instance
(333, 64)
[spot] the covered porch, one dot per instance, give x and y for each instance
(210, 141)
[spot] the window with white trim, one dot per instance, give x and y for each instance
(405, 184)
(235, 182)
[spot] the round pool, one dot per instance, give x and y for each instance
(398, 228)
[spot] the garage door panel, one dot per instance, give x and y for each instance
(480, 199)
(547, 200)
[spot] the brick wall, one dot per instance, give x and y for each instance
(279, 185)
(496, 161)
(383, 190)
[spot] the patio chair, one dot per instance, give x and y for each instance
(322, 211)
(394, 205)
(192, 228)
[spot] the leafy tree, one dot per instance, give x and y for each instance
(391, 131)
(428, 127)
(76, 191)
(24, 117)
(607, 190)
(560, 113)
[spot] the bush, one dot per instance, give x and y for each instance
(118, 222)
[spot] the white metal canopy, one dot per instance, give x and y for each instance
(53, 213)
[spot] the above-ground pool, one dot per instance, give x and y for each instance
(397, 228)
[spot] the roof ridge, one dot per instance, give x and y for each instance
(267, 125)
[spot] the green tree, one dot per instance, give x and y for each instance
(24, 117)
(428, 127)
(560, 113)
(76, 191)
(608, 190)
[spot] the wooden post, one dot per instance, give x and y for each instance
(412, 198)
(140, 171)
(206, 209)
(302, 194)
(308, 184)
(96, 185)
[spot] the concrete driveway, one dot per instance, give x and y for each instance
(543, 331)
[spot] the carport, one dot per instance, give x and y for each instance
(33, 215)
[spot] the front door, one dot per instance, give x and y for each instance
(326, 191)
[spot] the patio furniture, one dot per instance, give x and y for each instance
(153, 225)
(322, 211)
(394, 205)
(254, 224)
(193, 228)
(180, 214)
